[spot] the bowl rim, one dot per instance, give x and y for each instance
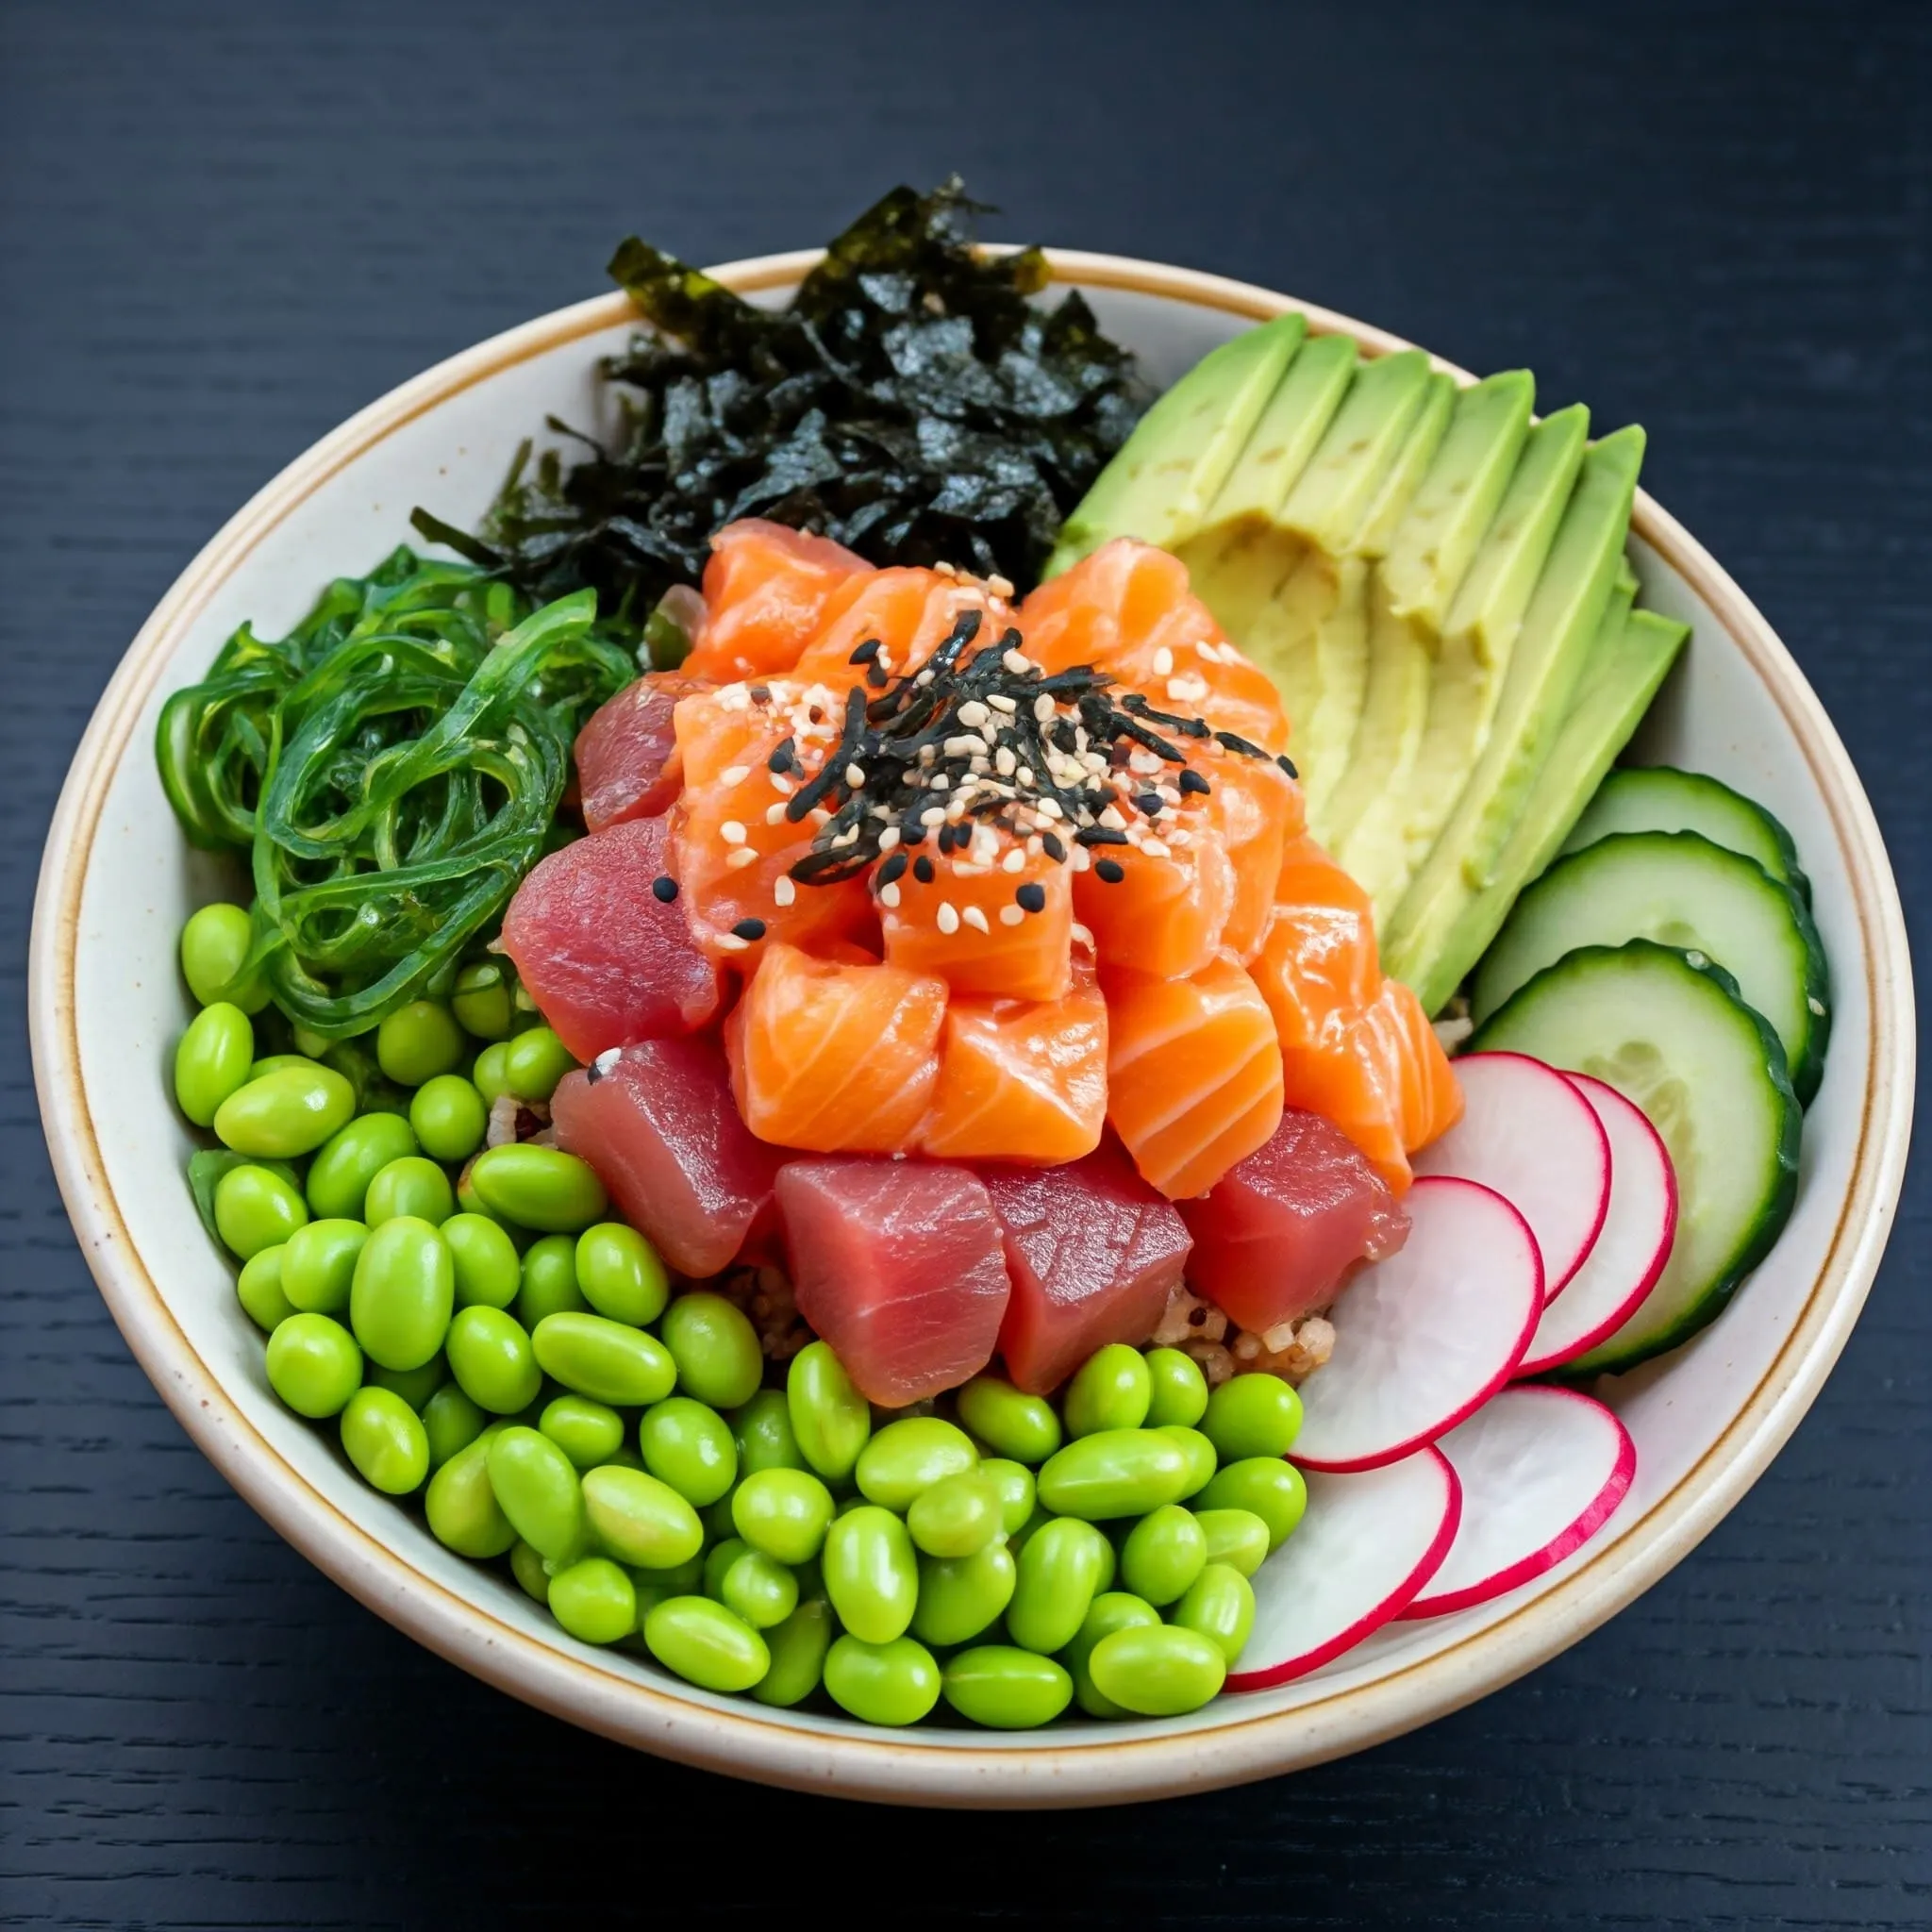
(740, 1739)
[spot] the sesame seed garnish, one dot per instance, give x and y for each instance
(1288, 765)
(974, 917)
(923, 870)
(749, 929)
(1015, 861)
(742, 857)
(1192, 781)
(734, 775)
(730, 943)
(731, 832)
(774, 814)
(1052, 847)
(1163, 662)
(894, 868)
(866, 653)
(783, 890)
(889, 897)
(1010, 915)
(1081, 936)
(664, 888)
(1031, 897)
(1148, 804)
(1110, 870)
(947, 917)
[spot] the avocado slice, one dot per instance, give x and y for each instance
(1182, 449)
(1550, 652)
(1286, 435)
(1331, 498)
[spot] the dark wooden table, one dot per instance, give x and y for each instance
(224, 228)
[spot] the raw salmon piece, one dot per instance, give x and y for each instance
(605, 959)
(1093, 1252)
(766, 590)
(1021, 1079)
(1432, 1096)
(898, 1265)
(909, 612)
(664, 1134)
(1194, 1073)
(1257, 808)
(1317, 956)
(988, 943)
(835, 1058)
(628, 765)
(1167, 913)
(1126, 609)
(1277, 1233)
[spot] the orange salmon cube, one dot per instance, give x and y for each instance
(766, 590)
(969, 925)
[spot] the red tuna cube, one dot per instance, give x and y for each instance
(627, 762)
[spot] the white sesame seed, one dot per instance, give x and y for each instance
(731, 832)
(972, 715)
(1079, 859)
(734, 697)
(774, 814)
(889, 897)
(974, 917)
(939, 782)
(1000, 587)
(855, 775)
(933, 815)
(1163, 662)
(1025, 774)
(947, 918)
(1017, 662)
(1110, 817)
(1042, 708)
(962, 747)
(731, 943)
(1001, 702)
(924, 678)
(1010, 915)
(889, 838)
(965, 869)
(1047, 808)
(848, 837)
(783, 890)
(745, 856)
(1156, 848)
(734, 775)
(1004, 763)
(1014, 861)
(1190, 690)
(1081, 936)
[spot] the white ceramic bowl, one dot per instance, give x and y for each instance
(117, 880)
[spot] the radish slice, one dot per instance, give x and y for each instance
(1367, 1544)
(1526, 1132)
(1430, 1335)
(1631, 1251)
(1542, 1470)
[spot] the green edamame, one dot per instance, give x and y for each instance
(276, 1061)
(593, 1600)
(1177, 1391)
(1017, 1427)
(605, 1360)
(490, 1356)
(460, 1502)
(214, 943)
(689, 1446)
(385, 1438)
(313, 1365)
(1159, 1672)
(872, 1573)
(540, 1492)
(452, 1422)
(1114, 1609)
(415, 1386)
(414, 1185)
(338, 1176)
(830, 1420)
(718, 1560)
(955, 1516)
(1163, 1554)
(448, 1117)
(1201, 1457)
(288, 1113)
(1115, 1473)
(212, 1060)
(526, 1566)
(319, 1265)
(759, 1588)
(540, 1188)
(1013, 1483)
(1253, 1415)
(256, 1209)
(259, 1288)
(1220, 1604)
(784, 1513)
(403, 1293)
(548, 1282)
(706, 1644)
(488, 1074)
(1238, 1538)
(1006, 1689)
(961, 1596)
(798, 1647)
(487, 1268)
(715, 1347)
(1061, 1569)
(641, 1521)
(533, 1063)
(619, 1274)
(418, 1042)
(1272, 1489)
(1111, 1390)
(891, 1682)
(480, 1001)
(761, 1430)
(908, 1457)
(588, 1432)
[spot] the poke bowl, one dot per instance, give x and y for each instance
(1679, 1425)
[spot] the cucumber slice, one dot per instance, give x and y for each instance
(1681, 889)
(1667, 1029)
(1660, 798)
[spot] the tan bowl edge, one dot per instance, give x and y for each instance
(907, 1769)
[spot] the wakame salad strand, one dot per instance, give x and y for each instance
(393, 767)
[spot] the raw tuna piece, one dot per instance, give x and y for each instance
(897, 1265)
(1276, 1234)
(607, 961)
(662, 1130)
(627, 762)
(1095, 1253)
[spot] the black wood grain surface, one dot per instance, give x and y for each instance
(224, 228)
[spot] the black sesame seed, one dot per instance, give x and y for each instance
(1031, 896)
(1099, 835)
(1192, 781)
(923, 870)
(1287, 764)
(1055, 847)
(784, 758)
(1110, 871)
(594, 1072)
(875, 676)
(866, 653)
(664, 888)
(1148, 803)
(761, 694)
(749, 928)
(1231, 743)
(894, 868)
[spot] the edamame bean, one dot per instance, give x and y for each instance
(490, 1356)
(549, 1281)
(540, 1492)
(641, 1521)
(706, 1644)
(798, 1647)
(830, 1420)
(1006, 1689)
(1110, 1390)
(385, 1438)
(1201, 1457)
(485, 1260)
(1114, 1609)
(619, 1274)
(214, 942)
(1064, 1566)
(412, 1186)
(319, 1265)
(481, 1002)
(415, 1386)
(542, 1188)
(338, 1176)
(1019, 1427)
(871, 1574)
(689, 1446)
(1115, 1473)
(784, 1513)
(715, 1347)
(1159, 1672)
(759, 1588)
(403, 1293)
(761, 1430)
(594, 1356)
(526, 1566)
(593, 1600)
(259, 1288)
(1013, 1483)
(891, 1682)
(212, 1060)
(452, 1422)
(961, 1596)
(958, 1515)
(1273, 1489)
(1253, 1415)
(488, 1073)
(1238, 1538)
(533, 1063)
(313, 1365)
(276, 1061)
(461, 1505)
(1220, 1604)
(290, 1112)
(418, 1042)
(1177, 1390)
(1163, 1554)
(448, 1117)
(908, 1457)
(588, 1432)
(718, 1560)
(256, 1209)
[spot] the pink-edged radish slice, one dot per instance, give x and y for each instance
(1526, 1132)
(1366, 1545)
(1630, 1253)
(1542, 1470)
(1426, 1337)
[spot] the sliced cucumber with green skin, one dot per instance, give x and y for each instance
(1660, 798)
(1678, 889)
(1668, 1030)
